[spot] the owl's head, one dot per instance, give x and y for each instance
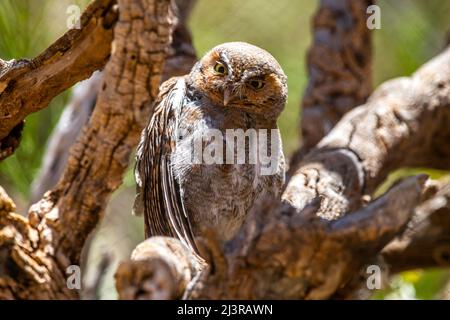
(240, 75)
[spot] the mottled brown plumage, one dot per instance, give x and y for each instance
(234, 86)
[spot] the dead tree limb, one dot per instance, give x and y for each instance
(27, 86)
(148, 277)
(40, 248)
(404, 123)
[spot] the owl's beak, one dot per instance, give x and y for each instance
(227, 95)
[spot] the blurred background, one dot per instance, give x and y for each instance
(412, 31)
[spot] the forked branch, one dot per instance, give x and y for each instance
(27, 86)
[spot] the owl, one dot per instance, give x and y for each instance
(235, 90)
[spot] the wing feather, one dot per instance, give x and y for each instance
(158, 193)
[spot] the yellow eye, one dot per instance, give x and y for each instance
(257, 84)
(220, 68)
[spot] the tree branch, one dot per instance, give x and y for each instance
(426, 242)
(27, 86)
(286, 256)
(161, 268)
(404, 123)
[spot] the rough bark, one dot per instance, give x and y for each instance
(27, 86)
(40, 248)
(426, 242)
(149, 277)
(285, 255)
(339, 68)
(404, 123)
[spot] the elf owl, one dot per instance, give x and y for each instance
(235, 88)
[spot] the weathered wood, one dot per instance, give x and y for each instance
(72, 120)
(426, 242)
(404, 123)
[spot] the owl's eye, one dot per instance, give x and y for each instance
(220, 68)
(257, 84)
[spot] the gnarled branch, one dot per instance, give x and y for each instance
(27, 86)
(426, 242)
(404, 123)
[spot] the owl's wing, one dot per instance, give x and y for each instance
(158, 193)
